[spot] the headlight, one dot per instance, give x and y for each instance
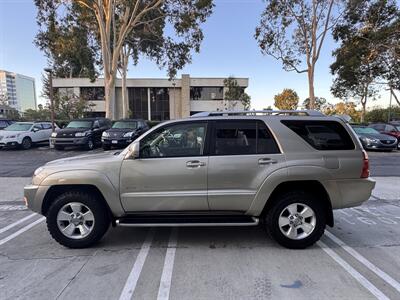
(54, 134)
(128, 134)
(37, 171)
(80, 134)
(369, 140)
(105, 134)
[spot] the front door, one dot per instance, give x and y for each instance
(243, 154)
(170, 173)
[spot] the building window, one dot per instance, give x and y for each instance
(138, 103)
(92, 93)
(159, 104)
(206, 93)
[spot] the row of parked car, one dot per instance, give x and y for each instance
(89, 133)
(379, 136)
(86, 133)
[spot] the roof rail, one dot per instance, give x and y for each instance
(310, 113)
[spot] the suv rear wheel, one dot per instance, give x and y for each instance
(297, 220)
(77, 220)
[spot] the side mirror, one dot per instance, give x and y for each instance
(34, 129)
(134, 149)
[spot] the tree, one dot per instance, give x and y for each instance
(68, 44)
(319, 103)
(235, 92)
(117, 19)
(367, 52)
(377, 115)
(287, 100)
(344, 108)
(294, 32)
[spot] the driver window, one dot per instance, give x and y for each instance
(180, 140)
(96, 124)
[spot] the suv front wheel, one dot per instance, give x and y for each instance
(77, 220)
(297, 220)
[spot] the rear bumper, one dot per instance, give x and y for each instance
(349, 192)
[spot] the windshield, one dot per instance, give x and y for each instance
(19, 127)
(80, 124)
(125, 125)
(365, 130)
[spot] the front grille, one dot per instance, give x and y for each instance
(388, 142)
(65, 135)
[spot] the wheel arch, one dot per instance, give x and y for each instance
(309, 186)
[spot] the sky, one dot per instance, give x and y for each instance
(228, 48)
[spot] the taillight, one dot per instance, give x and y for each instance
(365, 169)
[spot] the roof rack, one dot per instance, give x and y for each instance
(310, 113)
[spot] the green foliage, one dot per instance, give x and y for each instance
(235, 92)
(287, 100)
(343, 108)
(66, 39)
(319, 103)
(41, 114)
(368, 40)
(381, 114)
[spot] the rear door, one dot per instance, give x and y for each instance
(243, 153)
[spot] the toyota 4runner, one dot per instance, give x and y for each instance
(286, 170)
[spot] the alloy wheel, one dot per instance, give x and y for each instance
(297, 221)
(75, 220)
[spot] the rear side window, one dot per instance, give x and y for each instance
(46, 125)
(322, 135)
(243, 137)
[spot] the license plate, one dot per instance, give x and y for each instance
(114, 142)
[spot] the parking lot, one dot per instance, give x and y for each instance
(357, 259)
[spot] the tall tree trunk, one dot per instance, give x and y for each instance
(310, 73)
(395, 96)
(109, 87)
(125, 53)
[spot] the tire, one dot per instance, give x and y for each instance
(59, 147)
(299, 238)
(26, 143)
(106, 147)
(82, 231)
(90, 145)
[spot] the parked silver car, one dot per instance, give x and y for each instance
(284, 169)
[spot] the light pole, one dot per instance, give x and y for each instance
(50, 72)
(390, 104)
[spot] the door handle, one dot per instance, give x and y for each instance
(195, 164)
(267, 161)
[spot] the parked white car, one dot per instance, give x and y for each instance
(24, 134)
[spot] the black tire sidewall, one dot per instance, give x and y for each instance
(273, 214)
(23, 143)
(99, 211)
(90, 141)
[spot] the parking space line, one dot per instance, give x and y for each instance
(133, 277)
(384, 276)
(22, 230)
(166, 276)
(353, 272)
(4, 229)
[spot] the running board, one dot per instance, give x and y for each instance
(197, 221)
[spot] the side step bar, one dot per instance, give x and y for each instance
(187, 222)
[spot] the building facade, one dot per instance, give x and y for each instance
(18, 91)
(155, 99)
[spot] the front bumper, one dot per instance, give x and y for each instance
(120, 142)
(75, 141)
(34, 196)
(379, 146)
(8, 143)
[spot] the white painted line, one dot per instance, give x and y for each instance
(353, 272)
(166, 276)
(21, 231)
(384, 276)
(4, 229)
(133, 277)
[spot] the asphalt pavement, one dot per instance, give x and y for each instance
(357, 259)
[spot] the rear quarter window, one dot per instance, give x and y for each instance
(322, 135)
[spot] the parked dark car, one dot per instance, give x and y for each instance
(389, 129)
(371, 139)
(5, 123)
(123, 132)
(84, 133)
